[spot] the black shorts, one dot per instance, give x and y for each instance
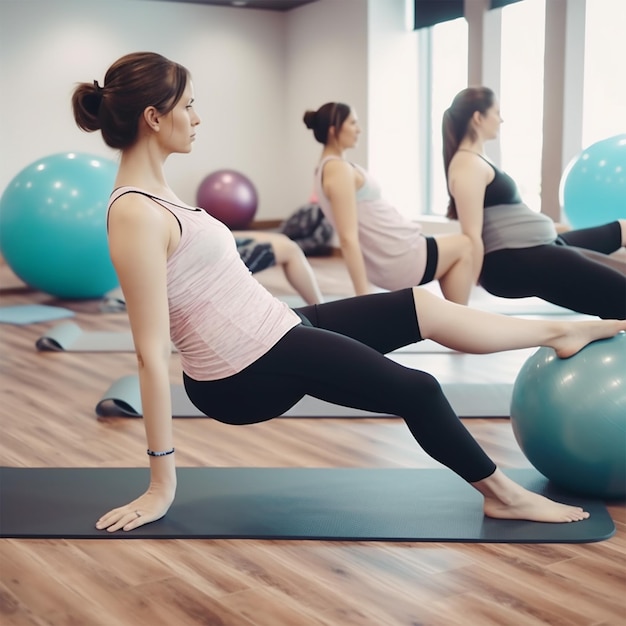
(432, 257)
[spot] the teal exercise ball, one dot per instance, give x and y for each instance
(569, 417)
(593, 185)
(53, 225)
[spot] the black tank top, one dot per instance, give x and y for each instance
(502, 189)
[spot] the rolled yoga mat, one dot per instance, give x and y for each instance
(70, 337)
(283, 503)
(123, 399)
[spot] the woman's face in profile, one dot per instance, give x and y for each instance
(350, 130)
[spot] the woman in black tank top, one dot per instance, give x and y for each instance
(526, 256)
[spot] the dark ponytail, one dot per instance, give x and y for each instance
(455, 126)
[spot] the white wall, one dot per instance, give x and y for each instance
(237, 59)
(326, 62)
(255, 73)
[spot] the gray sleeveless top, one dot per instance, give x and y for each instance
(508, 222)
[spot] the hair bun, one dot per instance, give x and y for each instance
(309, 119)
(93, 100)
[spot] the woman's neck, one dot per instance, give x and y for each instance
(476, 146)
(333, 149)
(143, 169)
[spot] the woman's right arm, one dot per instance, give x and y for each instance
(468, 177)
(339, 184)
(140, 236)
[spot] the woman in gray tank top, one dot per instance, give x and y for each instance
(519, 252)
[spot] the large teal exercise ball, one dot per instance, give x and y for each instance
(569, 417)
(593, 185)
(53, 225)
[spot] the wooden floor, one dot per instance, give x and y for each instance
(47, 411)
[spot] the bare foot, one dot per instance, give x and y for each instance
(576, 335)
(505, 499)
(535, 508)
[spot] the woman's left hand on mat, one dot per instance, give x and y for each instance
(149, 507)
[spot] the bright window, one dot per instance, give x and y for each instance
(449, 75)
(604, 100)
(521, 96)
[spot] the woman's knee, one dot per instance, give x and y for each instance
(453, 250)
(425, 388)
(286, 250)
(429, 385)
(427, 398)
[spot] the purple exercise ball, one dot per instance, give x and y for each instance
(230, 197)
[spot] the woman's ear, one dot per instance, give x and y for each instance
(477, 117)
(151, 117)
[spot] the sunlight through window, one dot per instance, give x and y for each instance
(604, 100)
(449, 76)
(521, 96)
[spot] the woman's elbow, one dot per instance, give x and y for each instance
(154, 358)
(348, 242)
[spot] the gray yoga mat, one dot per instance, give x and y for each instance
(114, 301)
(70, 337)
(483, 300)
(123, 399)
(283, 503)
(21, 314)
(480, 298)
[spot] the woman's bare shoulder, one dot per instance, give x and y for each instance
(338, 169)
(132, 203)
(469, 165)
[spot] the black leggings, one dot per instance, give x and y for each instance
(560, 273)
(337, 355)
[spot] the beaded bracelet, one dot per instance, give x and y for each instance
(163, 453)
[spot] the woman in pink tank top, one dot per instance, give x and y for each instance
(379, 245)
(246, 356)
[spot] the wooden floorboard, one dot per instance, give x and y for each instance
(47, 420)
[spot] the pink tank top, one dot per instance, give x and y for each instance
(221, 318)
(393, 247)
